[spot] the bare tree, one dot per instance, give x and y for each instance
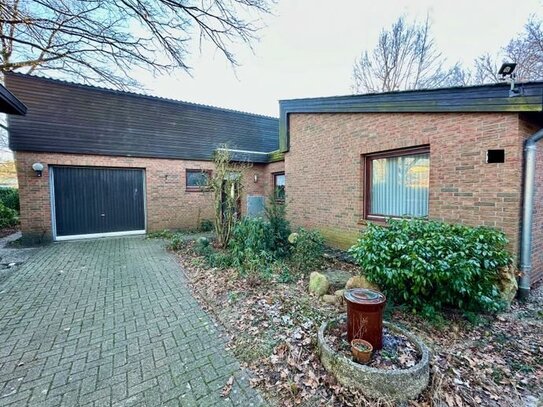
(526, 50)
(405, 57)
(103, 40)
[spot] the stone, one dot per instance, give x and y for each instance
(360, 282)
(339, 295)
(330, 299)
(508, 284)
(395, 386)
(318, 283)
(337, 278)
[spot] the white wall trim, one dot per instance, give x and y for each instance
(99, 235)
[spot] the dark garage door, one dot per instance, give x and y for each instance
(98, 200)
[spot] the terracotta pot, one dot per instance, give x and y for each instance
(361, 350)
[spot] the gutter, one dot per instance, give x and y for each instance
(527, 214)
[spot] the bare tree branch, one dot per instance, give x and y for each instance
(526, 50)
(104, 40)
(405, 57)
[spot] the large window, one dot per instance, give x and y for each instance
(397, 183)
(279, 186)
(196, 180)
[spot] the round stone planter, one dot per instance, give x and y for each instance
(393, 385)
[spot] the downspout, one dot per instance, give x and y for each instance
(527, 213)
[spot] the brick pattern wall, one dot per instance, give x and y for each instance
(527, 129)
(169, 205)
(325, 168)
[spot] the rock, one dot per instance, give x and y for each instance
(337, 278)
(318, 283)
(508, 284)
(360, 282)
(396, 386)
(339, 295)
(330, 299)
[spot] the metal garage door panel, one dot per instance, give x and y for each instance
(98, 200)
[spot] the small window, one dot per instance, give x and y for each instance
(197, 180)
(397, 183)
(495, 156)
(279, 186)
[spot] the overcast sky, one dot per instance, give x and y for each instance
(309, 46)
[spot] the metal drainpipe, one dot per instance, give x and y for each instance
(527, 212)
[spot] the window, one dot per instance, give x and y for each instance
(397, 183)
(196, 180)
(279, 186)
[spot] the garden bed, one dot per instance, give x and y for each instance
(273, 329)
(398, 351)
(378, 380)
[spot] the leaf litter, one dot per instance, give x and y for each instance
(272, 329)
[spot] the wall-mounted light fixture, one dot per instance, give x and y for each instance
(255, 178)
(38, 168)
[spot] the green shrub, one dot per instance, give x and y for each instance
(10, 198)
(307, 250)
(430, 265)
(251, 245)
(8, 216)
(206, 225)
(177, 242)
(163, 234)
(279, 227)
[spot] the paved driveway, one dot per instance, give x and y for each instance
(110, 322)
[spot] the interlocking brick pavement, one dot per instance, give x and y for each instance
(110, 322)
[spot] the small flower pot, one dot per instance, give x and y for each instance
(361, 350)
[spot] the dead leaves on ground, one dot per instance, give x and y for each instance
(273, 329)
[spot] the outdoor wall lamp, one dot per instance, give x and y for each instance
(38, 168)
(255, 178)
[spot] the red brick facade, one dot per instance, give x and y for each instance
(325, 171)
(168, 204)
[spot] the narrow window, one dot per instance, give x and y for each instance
(197, 180)
(397, 183)
(279, 186)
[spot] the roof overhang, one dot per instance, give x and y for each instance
(10, 104)
(483, 98)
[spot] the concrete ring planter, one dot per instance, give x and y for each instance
(393, 385)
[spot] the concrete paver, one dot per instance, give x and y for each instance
(110, 322)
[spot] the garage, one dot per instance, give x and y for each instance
(89, 202)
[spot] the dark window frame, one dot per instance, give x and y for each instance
(274, 177)
(368, 159)
(192, 188)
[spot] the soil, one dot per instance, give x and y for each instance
(272, 329)
(8, 231)
(397, 352)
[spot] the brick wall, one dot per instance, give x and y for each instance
(169, 206)
(325, 168)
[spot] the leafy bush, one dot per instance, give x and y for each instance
(213, 258)
(163, 234)
(10, 198)
(8, 216)
(430, 265)
(206, 225)
(177, 242)
(251, 244)
(279, 227)
(307, 250)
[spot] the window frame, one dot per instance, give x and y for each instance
(274, 177)
(196, 188)
(368, 159)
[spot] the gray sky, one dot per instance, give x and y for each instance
(309, 46)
